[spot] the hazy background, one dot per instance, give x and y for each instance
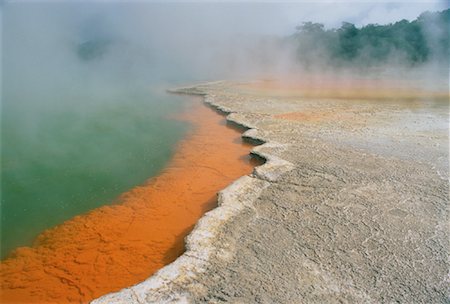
(84, 107)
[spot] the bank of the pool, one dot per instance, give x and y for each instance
(205, 242)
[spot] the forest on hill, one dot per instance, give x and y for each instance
(407, 42)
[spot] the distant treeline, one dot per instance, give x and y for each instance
(419, 41)
(92, 49)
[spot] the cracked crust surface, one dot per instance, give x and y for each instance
(353, 208)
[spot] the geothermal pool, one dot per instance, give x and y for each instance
(103, 172)
(121, 244)
(60, 161)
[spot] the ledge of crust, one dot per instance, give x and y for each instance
(176, 282)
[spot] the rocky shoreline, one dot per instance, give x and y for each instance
(351, 205)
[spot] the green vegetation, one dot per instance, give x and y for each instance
(92, 49)
(419, 41)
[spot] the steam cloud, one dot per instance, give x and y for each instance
(142, 43)
(68, 67)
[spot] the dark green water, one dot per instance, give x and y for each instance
(83, 107)
(84, 113)
(60, 162)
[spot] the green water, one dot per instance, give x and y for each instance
(61, 161)
(84, 112)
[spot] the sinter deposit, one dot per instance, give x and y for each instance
(352, 205)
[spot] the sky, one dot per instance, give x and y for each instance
(360, 12)
(283, 16)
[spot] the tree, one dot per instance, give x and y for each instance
(424, 39)
(348, 41)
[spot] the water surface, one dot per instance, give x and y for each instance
(57, 163)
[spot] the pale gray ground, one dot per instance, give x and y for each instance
(363, 216)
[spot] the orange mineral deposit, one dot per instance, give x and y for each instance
(119, 245)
